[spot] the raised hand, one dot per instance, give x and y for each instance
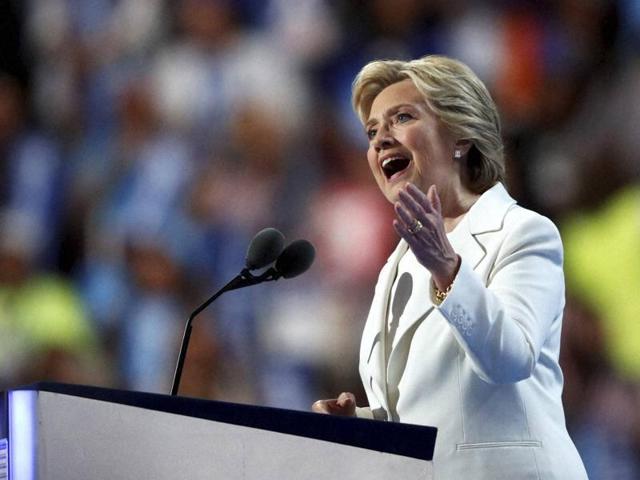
(419, 221)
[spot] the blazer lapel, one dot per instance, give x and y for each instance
(374, 334)
(487, 214)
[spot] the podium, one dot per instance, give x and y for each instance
(52, 431)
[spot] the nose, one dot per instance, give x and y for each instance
(383, 138)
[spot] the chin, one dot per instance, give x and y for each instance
(392, 193)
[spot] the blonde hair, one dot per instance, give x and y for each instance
(456, 96)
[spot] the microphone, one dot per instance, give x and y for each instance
(265, 248)
(295, 259)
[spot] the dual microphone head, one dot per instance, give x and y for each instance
(268, 247)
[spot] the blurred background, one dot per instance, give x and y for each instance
(144, 142)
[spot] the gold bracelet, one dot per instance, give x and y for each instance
(441, 294)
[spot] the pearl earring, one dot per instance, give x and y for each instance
(457, 154)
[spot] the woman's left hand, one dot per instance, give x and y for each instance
(421, 224)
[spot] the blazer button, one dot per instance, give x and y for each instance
(462, 320)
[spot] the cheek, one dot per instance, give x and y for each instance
(418, 141)
(372, 159)
(428, 149)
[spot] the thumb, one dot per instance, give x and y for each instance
(346, 399)
(434, 198)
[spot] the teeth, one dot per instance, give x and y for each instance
(386, 161)
(392, 165)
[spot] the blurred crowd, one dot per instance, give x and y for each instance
(144, 142)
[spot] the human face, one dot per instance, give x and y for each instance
(407, 143)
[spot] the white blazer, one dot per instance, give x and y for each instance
(483, 366)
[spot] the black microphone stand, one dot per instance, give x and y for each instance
(244, 279)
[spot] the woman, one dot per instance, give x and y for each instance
(464, 328)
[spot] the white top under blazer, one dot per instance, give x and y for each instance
(483, 366)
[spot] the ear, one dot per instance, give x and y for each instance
(461, 148)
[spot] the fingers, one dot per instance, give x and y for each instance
(347, 400)
(323, 406)
(434, 198)
(414, 204)
(404, 215)
(344, 405)
(408, 211)
(430, 201)
(402, 231)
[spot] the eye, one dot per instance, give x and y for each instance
(403, 117)
(371, 133)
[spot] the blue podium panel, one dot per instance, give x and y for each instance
(4, 435)
(70, 432)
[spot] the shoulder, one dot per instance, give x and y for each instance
(522, 219)
(496, 212)
(527, 231)
(500, 224)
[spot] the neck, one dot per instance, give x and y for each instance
(456, 202)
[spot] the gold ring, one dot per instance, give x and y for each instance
(415, 227)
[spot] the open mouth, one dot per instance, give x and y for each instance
(393, 165)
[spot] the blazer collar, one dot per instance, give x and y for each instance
(487, 214)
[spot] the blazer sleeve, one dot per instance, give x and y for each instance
(502, 322)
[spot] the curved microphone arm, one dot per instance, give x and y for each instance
(244, 279)
(265, 248)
